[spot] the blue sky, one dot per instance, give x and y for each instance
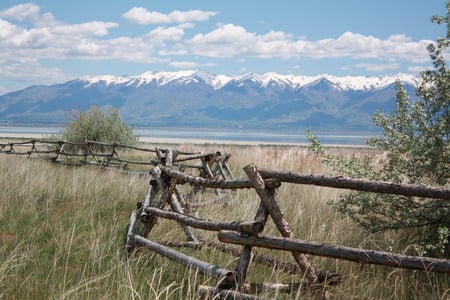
(47, 41)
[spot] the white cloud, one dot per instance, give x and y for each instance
(175, 33)
(184, 64)
(230, 41)
(416, 69)
(142, 16)
(189, 65)
(21, 12)
(378, 67)
(94, 28)
(32, 72)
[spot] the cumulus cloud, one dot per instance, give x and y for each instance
(378, 67)
(174, 33)
(142, 16)
(231, 40)
(189, 64)
(34, 72)
(21, 12)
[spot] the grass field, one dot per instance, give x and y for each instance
(62, 231)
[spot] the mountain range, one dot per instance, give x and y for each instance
(200, 99)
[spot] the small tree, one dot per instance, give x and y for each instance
(416, 138)
(100, 126)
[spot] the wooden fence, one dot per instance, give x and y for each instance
(128, 159)
(165, 198)
(248, 234)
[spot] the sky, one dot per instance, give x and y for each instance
(48, 41)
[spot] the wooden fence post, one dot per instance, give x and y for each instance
(277, 216)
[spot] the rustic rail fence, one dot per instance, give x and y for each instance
(169, 171)
(128, 159)
(248, 234)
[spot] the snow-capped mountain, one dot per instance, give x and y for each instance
(219, 81)
(198, 98)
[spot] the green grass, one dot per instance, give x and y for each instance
(62, 231)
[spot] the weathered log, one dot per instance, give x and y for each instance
(169, 158)
(253, 227)
(247, 255)
(363, 256)
(209, 183)
(245, 259)
(176, 207)
(188, 261)
(204, 224)
(149, 197)
(226, 167)
(277, 216)
(271, 261)
(129, 244)
(191, 157)
(358, 184)
(209, 292)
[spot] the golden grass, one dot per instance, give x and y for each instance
(62, 231)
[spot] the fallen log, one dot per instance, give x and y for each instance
(358, 184)
(363, 256)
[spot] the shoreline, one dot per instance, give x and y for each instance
(168, 140)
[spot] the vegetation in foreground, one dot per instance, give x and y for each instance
(416, 139)
(62, 231)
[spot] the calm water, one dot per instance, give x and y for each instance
(239, 135)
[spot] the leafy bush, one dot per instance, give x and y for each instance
(100, 126)
(416, 138)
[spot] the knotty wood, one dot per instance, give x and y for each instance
(277, 216)
(247, 255)
(201, 223)
(168, 196)
(363, 256)
(129, 245)
(188, 261)
(153, 189)
(358, 184)
(204, 182)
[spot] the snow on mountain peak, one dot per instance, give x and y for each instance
(266, 79)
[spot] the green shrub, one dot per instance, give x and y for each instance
(416, 138)
(100, 126)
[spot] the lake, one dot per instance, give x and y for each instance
(298, 136)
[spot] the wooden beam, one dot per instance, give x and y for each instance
(268, 199)
(209, 183)
(205, 224)
(363, 256)
(358, 184)
(181, 258)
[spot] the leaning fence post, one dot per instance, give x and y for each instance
(277, 216)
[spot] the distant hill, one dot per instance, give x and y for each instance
(200, 99)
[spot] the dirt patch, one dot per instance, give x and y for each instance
(6, 237)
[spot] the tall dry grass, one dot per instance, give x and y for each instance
(62, 231)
